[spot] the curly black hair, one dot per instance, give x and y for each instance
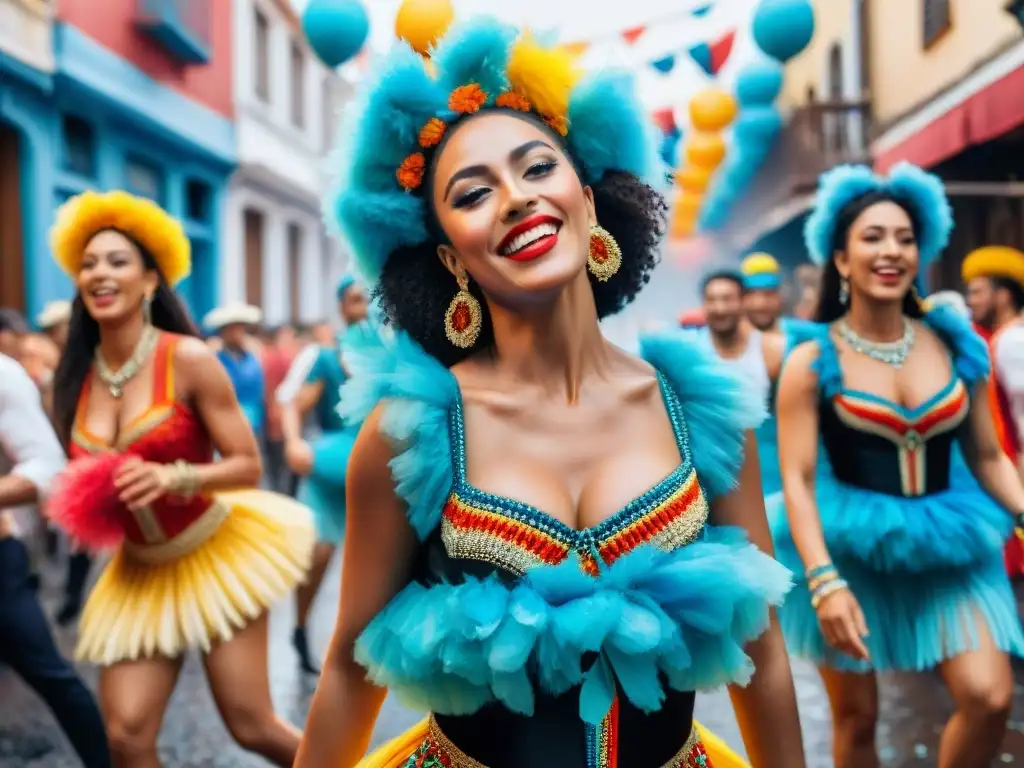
(415, 288)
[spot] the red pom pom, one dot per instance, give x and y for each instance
(85, 502)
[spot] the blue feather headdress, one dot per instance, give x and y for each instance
(921, 192)
(376, 206)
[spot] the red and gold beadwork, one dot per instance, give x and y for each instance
(473, 529)
(605, 256)
(438, 751)
(909, 431)
(464, 318)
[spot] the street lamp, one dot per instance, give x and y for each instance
(1016, 9)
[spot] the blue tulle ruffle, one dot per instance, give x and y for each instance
(717, 404)
(418, 392)
(681, 616)
(955, 528)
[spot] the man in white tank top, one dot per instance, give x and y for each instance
(758, 356)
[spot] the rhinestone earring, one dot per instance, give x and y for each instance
(844, 291)
(464, 318)
(605, 255)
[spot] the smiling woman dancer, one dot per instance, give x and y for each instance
(902, 550)
(532, 551)
(143, 405)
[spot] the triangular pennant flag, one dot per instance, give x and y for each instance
(701, 53)
(665, 119)
(665, 64)
(720, 51)
(702, 10)
(576, 49)
(632, 34)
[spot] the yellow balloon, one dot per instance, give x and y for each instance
(421, 23)
(712, 110)
(688, 204)
(693, 179)
(682, 228)
(705, 150)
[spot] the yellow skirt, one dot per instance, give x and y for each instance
(257, 555)
(397, 752)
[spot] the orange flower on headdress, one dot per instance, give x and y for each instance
(559, 125)
(410, 173)
(467, 99)
(512, 100)
(432, 133)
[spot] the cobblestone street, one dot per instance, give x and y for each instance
(913, 710)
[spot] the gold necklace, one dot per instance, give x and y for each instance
(115, 380)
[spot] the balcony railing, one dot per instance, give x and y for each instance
(817, 136)
(180, 26)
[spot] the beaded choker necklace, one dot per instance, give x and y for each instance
(892, 353)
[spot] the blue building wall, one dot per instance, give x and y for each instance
(130, 122)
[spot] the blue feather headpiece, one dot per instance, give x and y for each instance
(920, 192)
(407, 106)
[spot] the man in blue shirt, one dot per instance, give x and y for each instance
(232, 324)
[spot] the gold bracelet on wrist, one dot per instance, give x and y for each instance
(184, 479)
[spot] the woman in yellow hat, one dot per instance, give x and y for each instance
(550, 543)
(144, 408)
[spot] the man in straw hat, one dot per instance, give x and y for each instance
(232, 323)
(994, 276)
(53, 321)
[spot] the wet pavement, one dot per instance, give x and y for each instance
(914, 709)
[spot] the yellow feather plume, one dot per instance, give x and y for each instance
(760, 264)
(994, 261)
(159, 233)
(543, 76)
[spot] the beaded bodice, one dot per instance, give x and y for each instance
(882, 446)
(482, 533)
(515, 537)
(165, 432)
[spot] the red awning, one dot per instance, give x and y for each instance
(991, 112)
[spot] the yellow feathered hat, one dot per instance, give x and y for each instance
(145, 222)
(761, 272)
(994, 261)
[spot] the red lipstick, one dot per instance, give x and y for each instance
(538, 247)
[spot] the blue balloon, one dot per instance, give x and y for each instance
(759, 84)
(783, 28)
(669, 146)
(757, 126)
(336, 29)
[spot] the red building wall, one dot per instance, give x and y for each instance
(111, 24)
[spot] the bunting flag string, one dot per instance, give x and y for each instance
(632, 34)
(711, 57)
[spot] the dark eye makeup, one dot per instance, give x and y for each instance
(475, 194)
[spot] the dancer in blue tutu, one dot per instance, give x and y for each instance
(552, 543)
(322, 463)
(901, 549)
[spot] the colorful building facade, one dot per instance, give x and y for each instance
(138, 96)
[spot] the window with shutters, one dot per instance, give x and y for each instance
(936, 20)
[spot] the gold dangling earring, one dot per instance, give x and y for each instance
(844, 291)
(605, 255)
(147, 310)
(464, 318)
